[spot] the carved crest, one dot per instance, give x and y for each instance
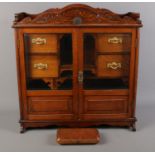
(76, 14)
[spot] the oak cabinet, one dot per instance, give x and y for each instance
(77, 66)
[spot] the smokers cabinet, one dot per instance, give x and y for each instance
(77, 67)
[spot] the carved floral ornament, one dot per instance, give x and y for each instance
(76, 14)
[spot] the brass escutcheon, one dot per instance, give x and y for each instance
(114, 65)
(40, 66)
(115, 40)
(39, 41)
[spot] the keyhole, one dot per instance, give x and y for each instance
(77, 20)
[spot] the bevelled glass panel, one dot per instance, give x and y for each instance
(106, 60)
(48, 60)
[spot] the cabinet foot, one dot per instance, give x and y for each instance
(133, 127)
(22, 129)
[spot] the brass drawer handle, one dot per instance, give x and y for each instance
(40, 66)
(115, 40)
(114, 65)
(39, 41)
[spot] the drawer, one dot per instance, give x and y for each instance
(113, 42)
(43, 43)
(106, 104)
(112, 65)
(49, 105)
(43, 66)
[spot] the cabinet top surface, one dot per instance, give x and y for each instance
(77, 15)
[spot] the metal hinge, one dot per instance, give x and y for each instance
(80, 76)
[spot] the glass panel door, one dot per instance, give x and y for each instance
(106, 59)
(49, 61)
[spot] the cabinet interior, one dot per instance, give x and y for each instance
(96, 52)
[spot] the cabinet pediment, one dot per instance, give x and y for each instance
(77, 14)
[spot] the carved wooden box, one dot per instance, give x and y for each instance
(77, 67)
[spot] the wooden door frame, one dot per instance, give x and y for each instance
(130, 92)
(24, 93)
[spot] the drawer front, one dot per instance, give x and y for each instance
(113, 43)
(43, 66)
(43, 43)
(49, 105)
(112, 65)
(106, 105)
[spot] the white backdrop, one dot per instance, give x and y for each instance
(118, 140)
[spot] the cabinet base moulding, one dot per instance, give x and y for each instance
(130, 123)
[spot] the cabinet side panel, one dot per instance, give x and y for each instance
(136, 73)
(132, 71)
(16, 33)
(22, 73)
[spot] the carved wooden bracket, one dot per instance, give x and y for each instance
(77, 14)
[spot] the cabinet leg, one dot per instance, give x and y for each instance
(22, 129)
(133, 127)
